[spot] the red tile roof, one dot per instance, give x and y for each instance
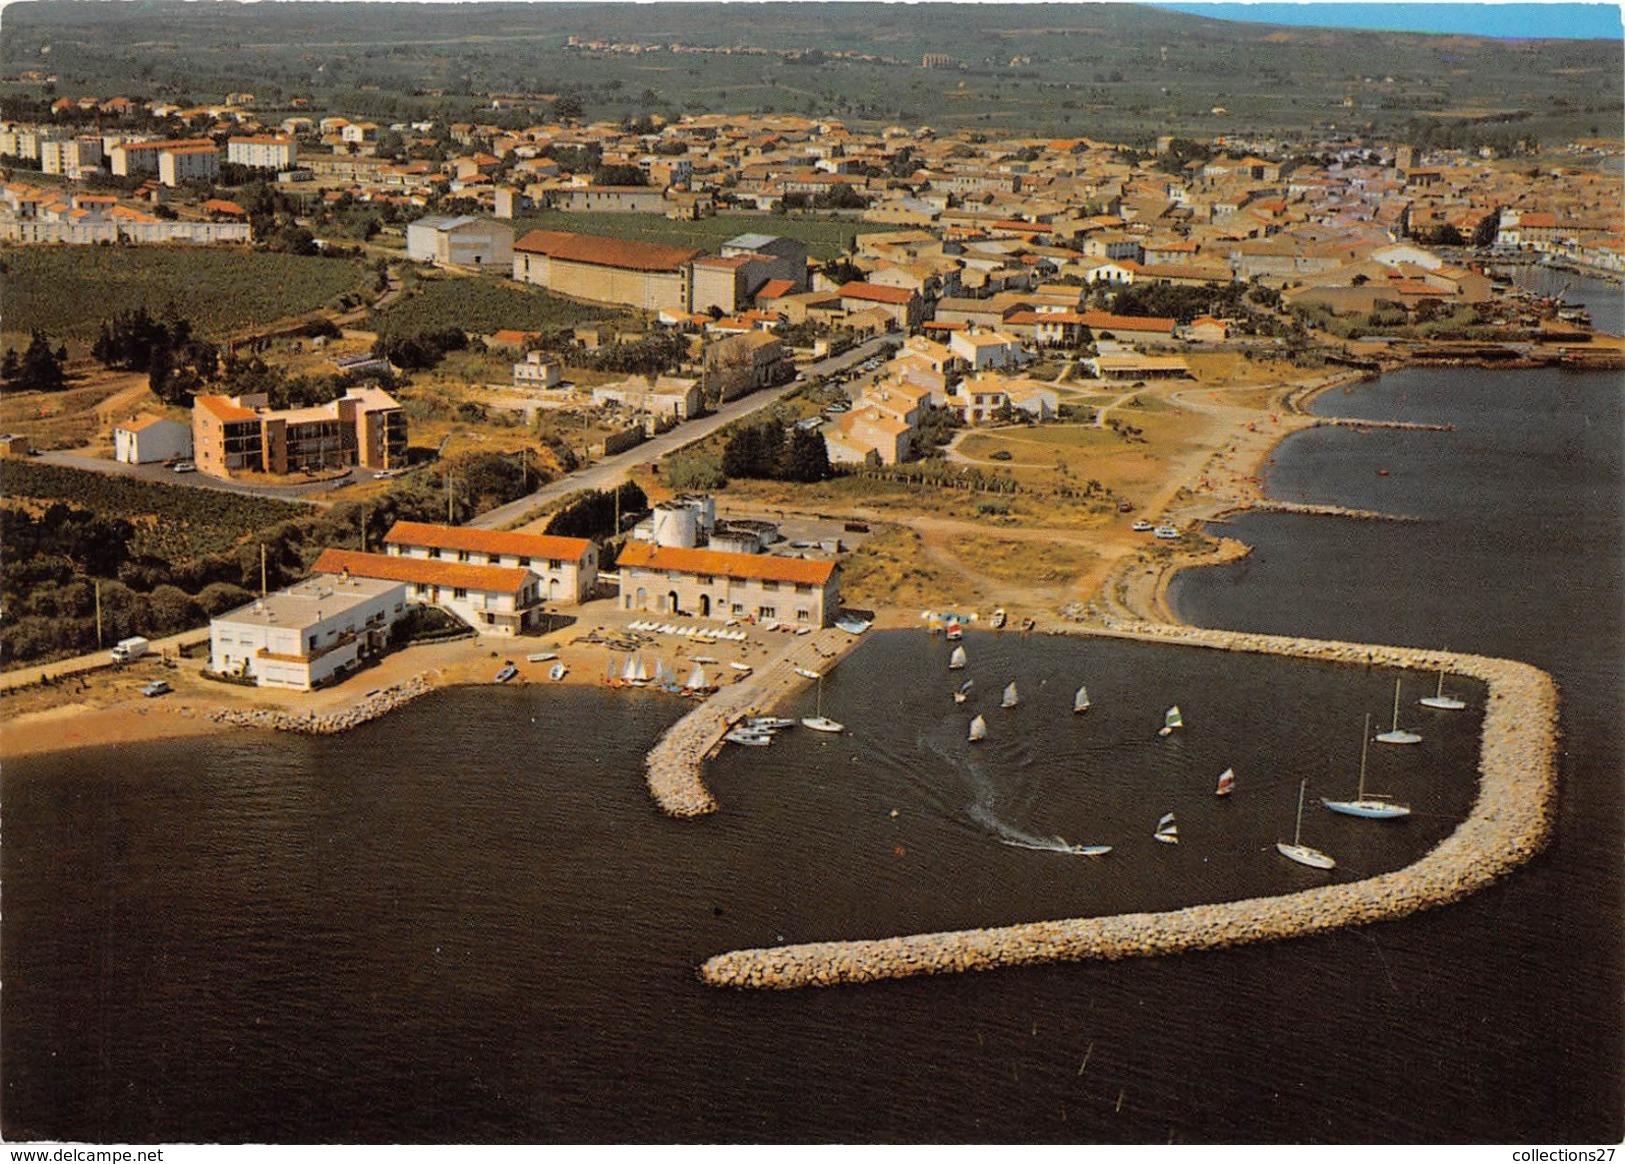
(487, 541)
(876, 293)
(648, 556)
(223, 409)
(424, 571)
(605, 252)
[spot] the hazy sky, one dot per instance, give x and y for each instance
(1499, 20)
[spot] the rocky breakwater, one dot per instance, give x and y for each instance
(327, 723)
(1509, 822)
(673, 765)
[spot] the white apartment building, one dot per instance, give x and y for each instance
(188, 164)
(309, 634)
(263, 152)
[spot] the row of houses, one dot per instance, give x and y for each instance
(500, 583)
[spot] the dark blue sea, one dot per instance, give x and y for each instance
(467, 923)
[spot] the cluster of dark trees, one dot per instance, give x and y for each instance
(38, 369)
(841, 197)
(177, 364)
(769, 451)
(419, 350)
(1182, 304)
(592, 514)
(650, 356)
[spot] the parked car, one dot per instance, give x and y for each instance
(156, 687)
(183, 467)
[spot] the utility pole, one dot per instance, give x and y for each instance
(98, 613)
(262, 569)
(449, 519)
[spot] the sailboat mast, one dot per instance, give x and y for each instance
(1365, 745)
(1297, 829)
(1396, 705)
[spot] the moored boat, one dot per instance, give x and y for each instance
(507, 672)
(1010, 697)
(1297, 850)
(1440, 700)
(958, 660)
(1167, 830)
(978, 730)
(1227, 783)
(1397, 735)
(1171, 720)
(1080, 701)
(1372, 805)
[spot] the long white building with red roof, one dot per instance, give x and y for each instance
(566, 567)
(501, 600)
(648, 276)
(800, 592)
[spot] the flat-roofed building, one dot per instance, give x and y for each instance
(719, 585)
(141, 157)
(648, 276)
(677, 397)
(309, 634)
(567, 567)
(497, 600)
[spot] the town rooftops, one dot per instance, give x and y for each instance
(223, 408)
(764, 567)
(751, 242)
(605, 252)
(423, 571)
(487, 541)
(876, 293)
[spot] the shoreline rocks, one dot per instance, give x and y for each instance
(1510, 822)
(320, 724)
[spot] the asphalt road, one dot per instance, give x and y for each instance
(610, 471)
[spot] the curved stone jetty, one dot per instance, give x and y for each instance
(673, 764)
(1510, 821)
(311, 723)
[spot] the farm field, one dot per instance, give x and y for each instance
(174, 523)
(481, 305)
(69, 291)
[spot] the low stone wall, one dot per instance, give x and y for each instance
(1510, 821)
(310, 723)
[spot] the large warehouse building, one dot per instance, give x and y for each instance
(647, 276)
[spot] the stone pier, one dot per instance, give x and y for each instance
(673, 764)
(1509, 822)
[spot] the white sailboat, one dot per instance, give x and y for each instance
(1010, 697)
(1227, 783)
(1373, 806)
(1085, 850)
(1395, 735)
(1297, 850)
(1167, 831)
(1440, 700)
(1080, 701)
(820, 722)
(1171, 719)
(978, 730)
(697, 680)
(964, 691)
(957, 660)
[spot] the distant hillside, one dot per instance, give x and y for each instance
(1115, 71)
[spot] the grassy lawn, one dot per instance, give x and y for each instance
(69, 291)
(825, 237)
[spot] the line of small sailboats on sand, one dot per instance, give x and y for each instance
(633, 673)
(1367, 805)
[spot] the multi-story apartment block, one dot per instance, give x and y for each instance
(263, 152)
(242, 434)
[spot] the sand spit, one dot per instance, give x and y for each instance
(674, 763)
(1510, 821)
